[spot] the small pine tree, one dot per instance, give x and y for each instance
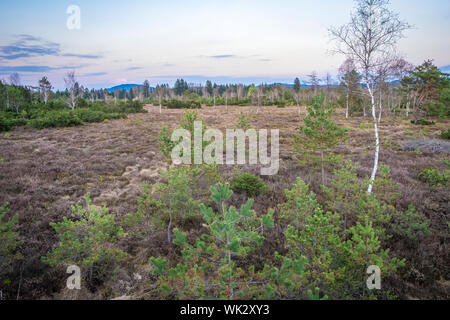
(319, 135)
(209, 269)
(89, 241)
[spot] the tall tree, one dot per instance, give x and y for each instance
(44, 88)
(73, 88)
(146, 89)
(425, 84)
(369, 39)
(350, 80)
(314, 81)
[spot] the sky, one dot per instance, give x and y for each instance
(225, 41)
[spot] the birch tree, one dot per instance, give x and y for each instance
(72, 86)
(370, 39)
(348, 76)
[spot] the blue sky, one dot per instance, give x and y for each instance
(225, 41)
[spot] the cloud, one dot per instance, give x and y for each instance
(82, 56)
(27, 46)
(32, 69)
(224, 56)
(25, 69)
(94, 74)
(134, 68)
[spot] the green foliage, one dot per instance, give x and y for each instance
(165, 142)
(411, 224)
(165, 205)
(445, 135)
(148, 219)
(181, 104)
(319, 135)
(431, 89)
(300, 203)
(9, 243)
(56, 119)
(316, 295)
(433, 177)
(249, 184)
(423, 122)
(87, 115)
(88, 241)
(55, 114)
(445, 162)
(208, 269)
(244, 123)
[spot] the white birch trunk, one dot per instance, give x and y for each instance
(377, 139)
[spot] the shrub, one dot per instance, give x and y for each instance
(89, 241)
(88, 115)
(133, 106)
(165, 205)
(9, 243)
(281, 104)
(423, 122)
(445, 135)
(181, 104)
(9, 120)
(56, 119)
(433, 177)
(5, 124)
(249, 184)
(244, 123)
(411, 224)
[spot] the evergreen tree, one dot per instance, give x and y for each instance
(319, 135)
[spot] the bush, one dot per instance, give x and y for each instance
(56, 119)
(445, 135)
(249, 184)
(8, 244)
(423, 122)
(281, 104)
(5, 124)
(180, 104)
(88, 115)
(433, 177)
(89, 241)
(10, 120)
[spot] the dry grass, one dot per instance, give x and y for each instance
(44, 172)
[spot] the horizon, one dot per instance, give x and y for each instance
(161, 42)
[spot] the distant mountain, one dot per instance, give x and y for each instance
(127, 87)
